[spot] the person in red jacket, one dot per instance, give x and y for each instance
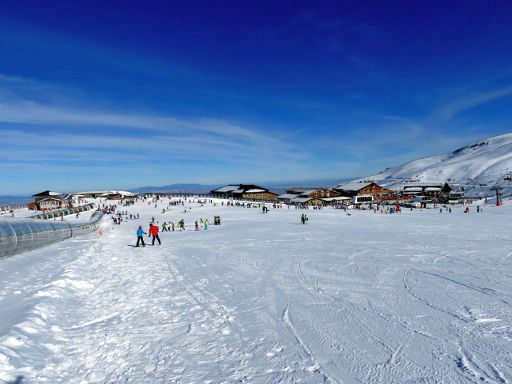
(153, 231)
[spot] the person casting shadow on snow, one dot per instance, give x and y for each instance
(140, 232)
(153, 231)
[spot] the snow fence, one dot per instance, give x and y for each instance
(19, 235)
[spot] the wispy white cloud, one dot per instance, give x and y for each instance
(474, 99)
(46, 129)
(397, 139)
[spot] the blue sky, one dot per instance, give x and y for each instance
(119, 94)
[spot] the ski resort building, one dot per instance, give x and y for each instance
(47, 200)
(244, 191)
(286, 197)
(110, 195)
(428, 192)
(432, 189)
(310, 196)
(355, 188)
(319, 193)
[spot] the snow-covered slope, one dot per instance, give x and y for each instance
(477, 165)
(416, 297)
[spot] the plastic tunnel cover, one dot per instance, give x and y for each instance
(18, 235)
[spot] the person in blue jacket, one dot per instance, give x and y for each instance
(140, 232)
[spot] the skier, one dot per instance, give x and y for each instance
(172, 226)
(477, 209)
(197, 226)
(153, 231)
(303, 219)
(140, 232)
(206, 224)
(164, 227)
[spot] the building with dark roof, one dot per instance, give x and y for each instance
(355, 188)
(243, 191)
(47, 200)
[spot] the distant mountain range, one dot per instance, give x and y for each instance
(4, 200)
(206, 188)
(190, 188)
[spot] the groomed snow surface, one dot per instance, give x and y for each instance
(416, 297)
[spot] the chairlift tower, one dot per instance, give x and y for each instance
(498, 188)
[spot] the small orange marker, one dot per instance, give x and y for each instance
(101, 233)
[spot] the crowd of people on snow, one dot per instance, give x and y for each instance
(166, 226)
(154, 229)
(119, 216)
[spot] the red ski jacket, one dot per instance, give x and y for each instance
(153, 230)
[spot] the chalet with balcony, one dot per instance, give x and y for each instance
(356, 188)
(46, 201)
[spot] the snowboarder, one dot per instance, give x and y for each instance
(164, 227)
(140, 232)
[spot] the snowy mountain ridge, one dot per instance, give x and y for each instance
(476, 165)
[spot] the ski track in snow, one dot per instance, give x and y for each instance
(419, 297)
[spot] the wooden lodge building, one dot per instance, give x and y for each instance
(309, 196)
(357, 188)
(318, 193)
(47, 200)
(244, 191)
